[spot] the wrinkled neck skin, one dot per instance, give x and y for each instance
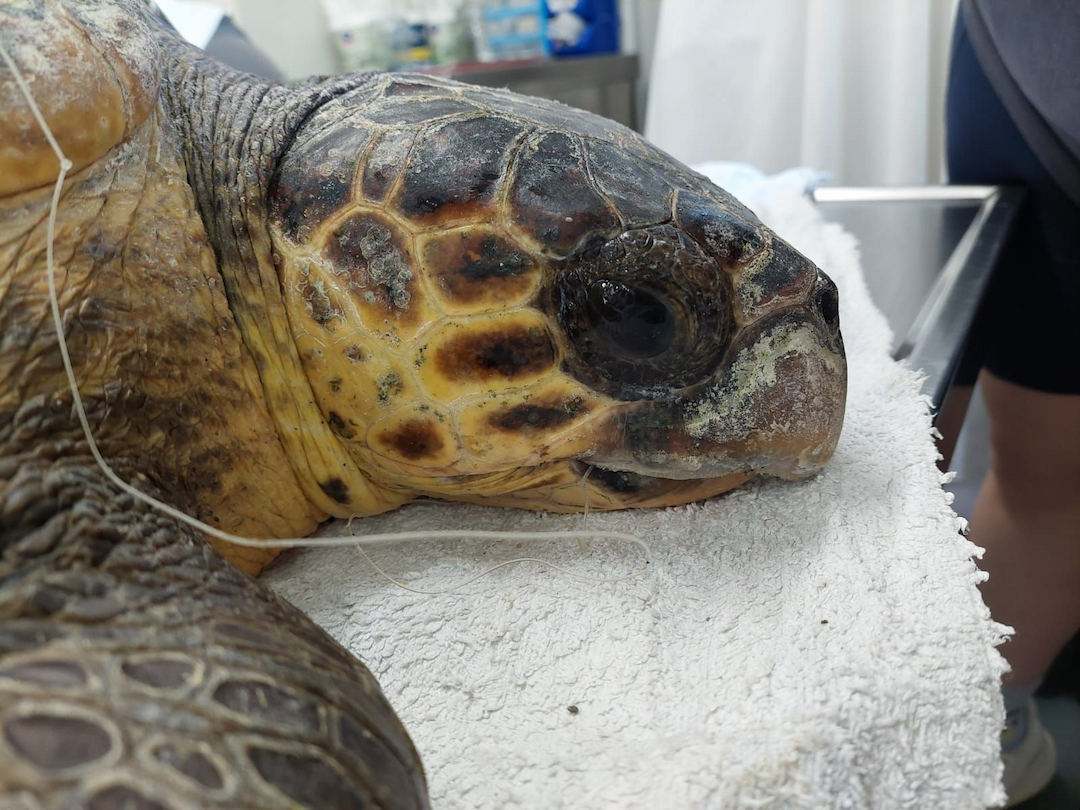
(234, 130)
(173, 315)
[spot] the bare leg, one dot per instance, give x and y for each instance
(1027, 517)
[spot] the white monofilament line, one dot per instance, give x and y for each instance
(352, 540)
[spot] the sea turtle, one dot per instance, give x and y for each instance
(285, 303)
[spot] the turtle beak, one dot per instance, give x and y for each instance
(775, 405)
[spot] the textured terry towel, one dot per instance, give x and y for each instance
(807, 645)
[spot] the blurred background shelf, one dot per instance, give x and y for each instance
(605, 85)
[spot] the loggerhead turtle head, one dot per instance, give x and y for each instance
(493, 296)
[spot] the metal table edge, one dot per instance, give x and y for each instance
(938, 338)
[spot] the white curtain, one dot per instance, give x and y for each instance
(852, 87)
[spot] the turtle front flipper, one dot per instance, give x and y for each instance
(139, 669)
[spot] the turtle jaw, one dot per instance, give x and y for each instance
(573, 485)
(635, 490)
(774, 407)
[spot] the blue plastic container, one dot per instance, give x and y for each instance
(601, 28)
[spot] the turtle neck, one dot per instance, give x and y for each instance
(233, 130)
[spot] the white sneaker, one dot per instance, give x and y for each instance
(1027, 749)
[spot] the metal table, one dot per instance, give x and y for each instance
(929, 255)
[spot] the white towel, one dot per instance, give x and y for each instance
(809, 645)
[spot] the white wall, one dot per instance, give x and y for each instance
(639, 22)
(852, 87)
(292, 33)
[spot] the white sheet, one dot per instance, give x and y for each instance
(793, 645)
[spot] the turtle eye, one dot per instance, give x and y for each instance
(628, 322)
(645, 314)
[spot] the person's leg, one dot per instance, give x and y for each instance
(1027, 517)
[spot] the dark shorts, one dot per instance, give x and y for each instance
(1033, 307)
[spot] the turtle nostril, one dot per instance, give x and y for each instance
(829, 305)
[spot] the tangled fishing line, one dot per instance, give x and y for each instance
(352, 540)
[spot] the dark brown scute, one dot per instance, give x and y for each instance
(274, 704)
(551, 114)
(191, 764)
(122, 796)
(456, 167)
(415, 439)
(234, 631)
(315, 179)
(353, 102)
(416, 111)
(368, 707)
(160, 673)
(508, 352)
(28, 636)
(320, 305)
(384, 164)
(44, 600)
(552, 197)
(373, 752)
(532, 417)
(94, 609)
(472, 265)
(827, 302)
(46, 673)
(310, 781)
(415, 87)
(788, 274)
(732, 236)
(53, 742)
(639, 192)
(375, 256)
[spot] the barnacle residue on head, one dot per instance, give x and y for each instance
(754, 404)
